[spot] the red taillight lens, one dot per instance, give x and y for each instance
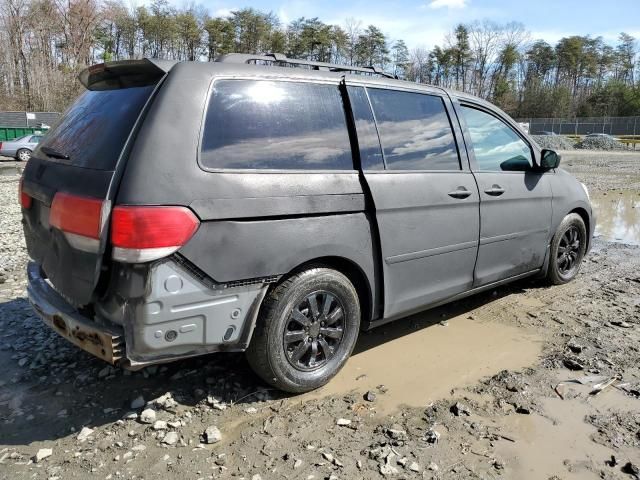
(144, 233)
(77, 215)
(24, 198)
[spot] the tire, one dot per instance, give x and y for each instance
(285, 311)
(568, 248)
(23, 155)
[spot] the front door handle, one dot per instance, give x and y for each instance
(461, 192)
(495, 190)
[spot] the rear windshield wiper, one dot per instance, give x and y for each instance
(54, 153)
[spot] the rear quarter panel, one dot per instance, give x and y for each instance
(254, 223)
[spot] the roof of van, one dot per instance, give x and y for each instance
(134, 72)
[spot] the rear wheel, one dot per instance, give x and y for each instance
(23, 155)
(568, 247)
(306, 331)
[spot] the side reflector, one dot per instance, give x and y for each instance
(24, 198)
(145, 233)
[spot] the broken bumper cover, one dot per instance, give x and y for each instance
(102, 341)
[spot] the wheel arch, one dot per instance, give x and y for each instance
(353, 272)
(21, 149)
(587, 222)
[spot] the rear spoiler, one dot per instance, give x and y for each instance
(125, 74)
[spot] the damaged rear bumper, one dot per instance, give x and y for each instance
(169, 316)
(105, 342)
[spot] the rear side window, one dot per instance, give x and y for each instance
(93, 131)
(368, 142)
(260, 124)
(415, 131)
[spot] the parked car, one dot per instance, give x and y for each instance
(20, 148)
(305, 205)
(602, 135)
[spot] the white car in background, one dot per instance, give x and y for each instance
(20, 148)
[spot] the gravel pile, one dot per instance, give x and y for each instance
(601, 143)
(554, 142)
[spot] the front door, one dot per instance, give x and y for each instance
(515, 200)
(425, 198)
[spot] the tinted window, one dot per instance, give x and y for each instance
(497, 147)
(93, 131)
(368, 143)
(277, 125)
(35, 138)
(414, 130)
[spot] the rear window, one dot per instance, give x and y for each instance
(93, 131)
(261, 124)
(415, 131)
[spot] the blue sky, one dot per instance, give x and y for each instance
(425, 22)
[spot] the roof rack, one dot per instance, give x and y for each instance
(281, 58)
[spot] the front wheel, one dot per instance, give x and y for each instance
(568, 248)
(23, 155)
(306, 330)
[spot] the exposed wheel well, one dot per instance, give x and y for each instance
(353, 273)
(585, 218)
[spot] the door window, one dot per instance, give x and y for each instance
(415, 131)
(259, 124)
(497, 147)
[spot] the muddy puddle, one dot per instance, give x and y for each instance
(419, 360)
(558, 444)
(618, 216)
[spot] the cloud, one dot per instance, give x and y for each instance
(224, 12)
(448, 3)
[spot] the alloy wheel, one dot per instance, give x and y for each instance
(314, 331)
(569, 251)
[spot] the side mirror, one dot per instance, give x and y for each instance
(549, 159)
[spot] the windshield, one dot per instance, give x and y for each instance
(93, 131)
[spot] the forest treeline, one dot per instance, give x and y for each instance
(47, 42)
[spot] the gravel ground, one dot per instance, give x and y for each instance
(554, 142)
(525, 408)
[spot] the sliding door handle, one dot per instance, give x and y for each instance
(495, 190)
(461, 193)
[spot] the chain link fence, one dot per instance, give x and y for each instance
(584, 125)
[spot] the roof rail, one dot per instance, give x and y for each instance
(281, 58)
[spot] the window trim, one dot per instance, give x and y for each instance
(269, 78)
(447, 112)
(467, 134)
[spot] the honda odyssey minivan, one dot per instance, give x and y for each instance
(278, 207)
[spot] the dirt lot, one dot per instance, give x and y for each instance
(496, 386)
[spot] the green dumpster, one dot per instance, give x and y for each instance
(9, 133)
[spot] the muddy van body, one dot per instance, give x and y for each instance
(180, 209)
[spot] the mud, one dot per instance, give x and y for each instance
(464, 391)
(419, 365)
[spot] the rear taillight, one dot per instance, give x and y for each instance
(81, 219)
(145, 233)
(24, 198)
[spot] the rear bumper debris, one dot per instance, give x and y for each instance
(103, 341)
